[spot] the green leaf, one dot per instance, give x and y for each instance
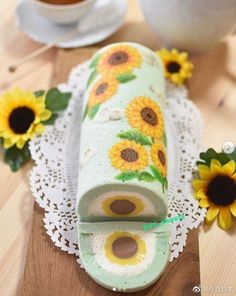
(85, 112)
(56, 100)
(51, 120)
(125, 77)
(93, 111)
(210, 154)
(156, 173)
(1, 141)
(126, 176)
(164, 140)
(16, 158)
(95, 61)
(232, 156)
(39, 93)
(92, 77)
(165, 181)
(147, 177)
(135, 136)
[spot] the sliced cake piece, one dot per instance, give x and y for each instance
(122, 256)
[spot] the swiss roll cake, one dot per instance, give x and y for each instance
(123, 164)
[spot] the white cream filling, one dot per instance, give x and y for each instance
(95, 207)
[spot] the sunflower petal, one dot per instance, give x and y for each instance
(216, 162)
(204, 203)
(200, 194)
(229, 168)
(233, 208)
(204, 172)
(199, 184)
(225, 218)
(212, 212)
(8, 143)
(20, 143)
(46, 114)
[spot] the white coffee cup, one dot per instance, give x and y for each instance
(193, 25)
(63, 14)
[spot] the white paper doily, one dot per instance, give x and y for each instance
(56, 153)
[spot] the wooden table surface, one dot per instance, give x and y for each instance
(213, 89)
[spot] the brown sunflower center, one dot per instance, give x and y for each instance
(21, 119)
(124, 247)
(122, 207)
(222, 190)
(129, 154)
(118, 58)
(161, 157)
(173, 67)
(101, 88)
(149, 116)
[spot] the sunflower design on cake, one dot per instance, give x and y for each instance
(128, 156)
(124, 248)
(146, 116)
(176, 64)
(102, 90)
(21, 117)
(119, 59)
(216, 190)
(158, 156)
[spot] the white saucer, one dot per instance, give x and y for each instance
(46, 32)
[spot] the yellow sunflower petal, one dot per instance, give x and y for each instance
(225, 218)
(216, 167)
(204, 172)
(199, 184)
(212, 212)
(233, 208)
(20, 143)
(39, 128)
(45, 115)
(229, 168)
(8, 143)
(204, 203)
(200, 194)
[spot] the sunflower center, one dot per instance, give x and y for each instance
(101, 88)
(149, 116)
(118, 58)
(173, 67)
(161, 157)
(124, 247)
(21, 119)
(129, 154)
(222, 190)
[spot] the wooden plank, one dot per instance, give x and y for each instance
(50, 271)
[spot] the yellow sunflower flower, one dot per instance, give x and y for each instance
(103, 90)
(146, 116)
(176, 64)
(216, 190)
(21, 115)
(119, 59)
(128, 156)
(158, 156)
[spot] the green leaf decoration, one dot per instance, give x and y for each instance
(163, 186)
(16, 158)
(164, 139)
(165, 181)
(93, 111)
(232, 156)
(95, 61)
(92, 77)
(125, 77)
(39, 93)
(156, 173)
(210, 154)
(56, 100)
(147, 177)
(135, 136)
(85, 112)
(126, 176)
(51, 120)
(1, 141)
